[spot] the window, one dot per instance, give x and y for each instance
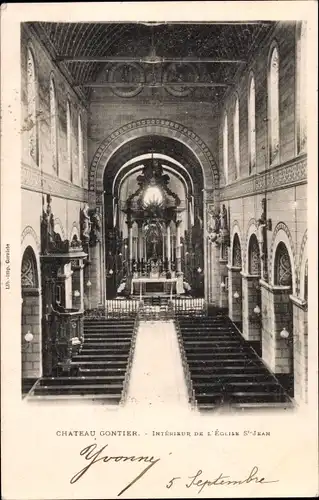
(301, 104)
(80, 149)
(53, 127)
(32, 107)
(273, 106)
(225, 148)
(236, 138)
(251, 125)
(69, 138)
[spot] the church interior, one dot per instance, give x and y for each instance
(164, 211)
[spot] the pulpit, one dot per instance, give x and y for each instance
(62, 323)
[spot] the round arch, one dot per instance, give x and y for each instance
(152, 126)
(282, 235)
(236, 231)
(236, 253)
(30, 239)
(251, 230)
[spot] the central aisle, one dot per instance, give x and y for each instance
(157, 374)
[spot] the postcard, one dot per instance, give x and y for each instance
(159, 250)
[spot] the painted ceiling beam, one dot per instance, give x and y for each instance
(151, 84)
(148, 59)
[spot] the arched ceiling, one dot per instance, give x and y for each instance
(155, 144)
(83, 49)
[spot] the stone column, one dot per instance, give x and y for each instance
(223, 278)
(300, 348)
(140, 248)
(31, 313)
(130, 244)
(214, 292)
(234, 285)
(276, 314)
(94, 275)
(178, 246)
(251, 299)
(168, 239)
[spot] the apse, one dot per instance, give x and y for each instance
(153, 215)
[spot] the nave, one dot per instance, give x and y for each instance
(166, 180)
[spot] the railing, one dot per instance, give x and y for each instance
(187, 375)
(152, 312)
(130, 362)
(190, 306)
(115, 308)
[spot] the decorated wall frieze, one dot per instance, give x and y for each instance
(280, 177)
(33, 179)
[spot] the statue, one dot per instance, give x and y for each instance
(213, 221)
(223, 218)
(85, 224)
(48, 234)
(95, 234)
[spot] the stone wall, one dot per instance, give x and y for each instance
(39, 179)
(284, 186)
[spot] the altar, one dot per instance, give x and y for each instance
(153, 286)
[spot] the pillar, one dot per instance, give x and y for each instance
(300, 346)
(94, 275)
(223, 277)
(277, 352)
(31, 355)
(140, 243)
(234, 285)
(213, 274)
(178, 246)
(130, 244)
(251, 320)
(168, 240)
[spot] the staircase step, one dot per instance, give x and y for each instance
(100, 357)
(221, 362)
(105, 338)
(230, 387)
(219, 354)
(233, 377)
(99, 364)
(219, 368)
(103, 372)
(241, 397)
(190, 344)
(108, 390)
(92, 350)
(80, 380)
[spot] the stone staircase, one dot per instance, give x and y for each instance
(222, 369)
(102, 367)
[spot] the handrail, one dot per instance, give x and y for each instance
(130, 361)
(187, 375)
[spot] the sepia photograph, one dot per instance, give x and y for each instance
(158, 287)
(164, 201)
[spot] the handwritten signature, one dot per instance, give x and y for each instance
(93, 456)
